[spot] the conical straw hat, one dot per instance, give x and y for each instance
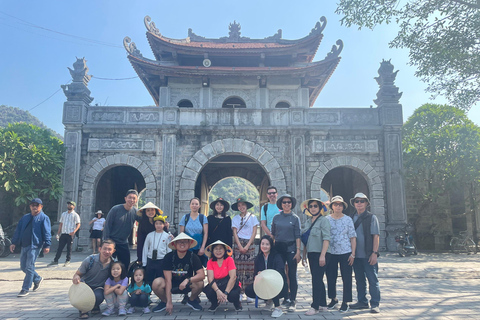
(268, 284)
(81, 297)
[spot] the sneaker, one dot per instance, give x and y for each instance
(293, 306)
(213, 307)
(132, 310)
(332, 304)
(160, 307)
(359, 305)
(277, 312)
(238, 306)
(286, 303)
(107, 312)
(122, 312)
(145, 310)
(185, 299)
(344, 307)
(269, 305)
(311, 312)
(22, 293)
(96, 310)
(53, 263)
(250, 300)
(375, 309)
(241, 297)
(37, 285)
(194, 305)
(66, 264)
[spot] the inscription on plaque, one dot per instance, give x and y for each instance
(107, 116)
(332, 146)
(73, 113)
(323, 117)
(358, 118)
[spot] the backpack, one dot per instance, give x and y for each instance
(200, 216)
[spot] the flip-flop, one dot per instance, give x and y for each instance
(84, 315)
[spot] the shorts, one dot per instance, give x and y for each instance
(96, 234)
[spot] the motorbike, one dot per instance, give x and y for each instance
(405, 243)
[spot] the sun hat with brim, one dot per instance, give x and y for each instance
(235, 205)
(209, 249)
(99, 212)
(182, 236)
(222, 201)
(304, 207)
(160, 218)
(279, 201)
(149, 205)
(81, 296)
(338, 199)
(268, 284)
(359, 196)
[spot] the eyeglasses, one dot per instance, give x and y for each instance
(271, 193)
(337, 204)
(313, 206)
(360, 201)
(286, 202)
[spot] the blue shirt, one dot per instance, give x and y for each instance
(41, 236)
(194, 229)
(272, 210)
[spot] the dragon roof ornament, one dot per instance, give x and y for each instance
(150, 25)
(131, 47)
(319, 26)
(335, 52)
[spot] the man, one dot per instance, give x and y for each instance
(119, 225)
(33, 233)
(365, 264)
(269, 210)
(183, 273)
(94, 271)
(69, 225)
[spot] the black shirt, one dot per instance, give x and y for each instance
(181, 268)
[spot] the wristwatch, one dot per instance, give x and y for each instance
(376, 252)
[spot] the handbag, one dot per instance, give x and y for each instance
(306, 234)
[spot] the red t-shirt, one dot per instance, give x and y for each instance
(221, 272)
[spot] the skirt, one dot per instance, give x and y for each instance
(245, 263)
(96, 234)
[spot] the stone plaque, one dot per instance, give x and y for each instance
(393, 116)
(361, 117)
(143, 117)
(318, 117)
(107, 116)
(341, 146)
(130, 145)
(73, 114)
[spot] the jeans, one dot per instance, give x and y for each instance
(99, 296)
(28, 256)
(122, 253)
(65, 239)
(138, 300)
(292, 274)
(346, 272)
(363, 271)
(318, 286)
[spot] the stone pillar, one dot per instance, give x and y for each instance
(390, 115)
(206, 98)
(167, 189)
(298, 169)
(74, 116)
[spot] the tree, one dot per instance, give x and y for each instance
(443, 37)
(441, 152)
(31, 161)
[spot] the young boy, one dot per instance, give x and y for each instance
(155, 249)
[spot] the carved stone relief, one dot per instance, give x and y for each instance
(120, 145)
(337, 146)
(359, 117)
(107, 116)
(393, 116)
(73, 114)
(221, 95)
(143, 116)
(319, 117)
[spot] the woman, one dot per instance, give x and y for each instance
(317, 250)
(195, 225)
(219, 224)
(286, 232)
(97, 230)
(244, 228)
(267, 258)
(146, 225)
(342, 245)
(222, 285)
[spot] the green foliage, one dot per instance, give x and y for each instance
(31, 161)
(441, 152)
(12, 115)
(441, 35)
(232, 188)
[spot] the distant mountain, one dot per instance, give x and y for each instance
(14, 114)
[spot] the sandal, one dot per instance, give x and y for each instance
(83, 315)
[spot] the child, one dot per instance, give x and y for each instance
(154, 249)
(115, 289)
(139, 292)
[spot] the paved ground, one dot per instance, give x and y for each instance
(427, 286)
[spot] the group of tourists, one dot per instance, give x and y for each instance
(224, 246)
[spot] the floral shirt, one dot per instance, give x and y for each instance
(340, 233)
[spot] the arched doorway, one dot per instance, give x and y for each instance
(113, 185)
(345, 182)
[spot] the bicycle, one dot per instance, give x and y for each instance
(463, 243)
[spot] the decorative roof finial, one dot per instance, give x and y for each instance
(335, 52)
(319, 27)
(151, 26)
(131, 47)
(234, 28)
(388, 92)
(78, 89)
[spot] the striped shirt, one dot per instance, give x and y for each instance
(69, 221)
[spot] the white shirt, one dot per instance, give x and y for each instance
(249, 221)
(156, 241)
(98, 223)
(69, 221)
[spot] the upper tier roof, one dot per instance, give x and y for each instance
(300, 50)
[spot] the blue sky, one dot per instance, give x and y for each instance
(34, 60)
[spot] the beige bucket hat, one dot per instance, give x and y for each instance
(338, 199)
(359, 195)
(268, 284)
(81, 296)
(182, 236)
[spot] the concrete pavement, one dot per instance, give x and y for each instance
(427, 286)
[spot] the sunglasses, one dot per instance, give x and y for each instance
(313, 206)
(286, 202)
(271, 193)
(360, 201)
